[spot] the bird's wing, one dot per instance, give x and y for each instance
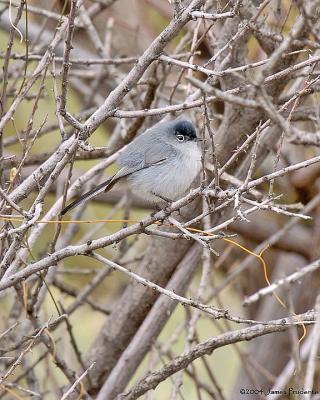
(159, 153)
(133, 161)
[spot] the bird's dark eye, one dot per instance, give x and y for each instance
(180, 138)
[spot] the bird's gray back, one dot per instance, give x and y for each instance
(148, 149)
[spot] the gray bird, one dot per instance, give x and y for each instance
(159, 165)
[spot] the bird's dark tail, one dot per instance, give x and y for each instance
(104, 186)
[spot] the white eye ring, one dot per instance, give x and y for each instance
(180, 138)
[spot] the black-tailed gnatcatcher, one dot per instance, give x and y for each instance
(159, 165)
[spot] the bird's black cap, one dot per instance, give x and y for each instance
(185, 128)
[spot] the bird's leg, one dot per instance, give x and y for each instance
(165, 199)
(168, 201)
(162, 197)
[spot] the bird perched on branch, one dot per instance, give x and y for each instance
(159, 165)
